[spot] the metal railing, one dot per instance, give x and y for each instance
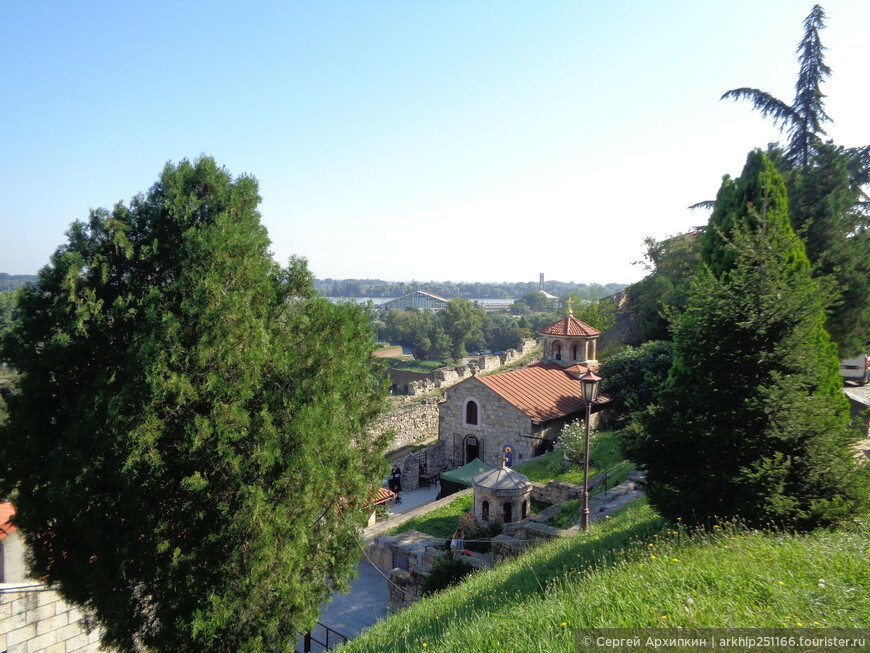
(603, 478)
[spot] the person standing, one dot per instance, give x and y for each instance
(396, 479)
(457, 543)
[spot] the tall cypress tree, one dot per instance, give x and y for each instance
(752, 423)
(189, 452)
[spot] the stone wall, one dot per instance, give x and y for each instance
(624, 331)
(416, 551)
(450, 376)
(410, 466)
(498, 424)
(12, 567)
(404, 588)
(429, 460)
(34, 618)
(558, 491)
(410, 424)
(383, 551)
(406, 382)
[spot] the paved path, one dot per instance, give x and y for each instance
(366, 602)
(415, 499)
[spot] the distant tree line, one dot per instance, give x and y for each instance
(465, 327)
(452, 290)
(13, 281)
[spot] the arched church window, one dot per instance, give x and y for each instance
(574, 353)
(484, 510)
(557, 351)
(471, 412)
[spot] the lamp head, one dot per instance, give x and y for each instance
(589, 384)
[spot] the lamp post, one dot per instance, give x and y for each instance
(589, 384)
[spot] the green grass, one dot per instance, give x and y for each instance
(604, 454)
(415, 365)
(633, 571)
(440, 522)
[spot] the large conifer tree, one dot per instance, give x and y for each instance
(189, 449)
(804, 117)
(751, 423)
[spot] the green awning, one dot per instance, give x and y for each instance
(463, 475)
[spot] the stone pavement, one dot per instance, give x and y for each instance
(415, 499)
(366, 602)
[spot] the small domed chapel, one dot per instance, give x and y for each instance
(518, 415)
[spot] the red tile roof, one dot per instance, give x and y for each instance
(381, 496)
(570, 326)
(7, 511)
(543, 392)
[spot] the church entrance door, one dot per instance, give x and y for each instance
(472, 448)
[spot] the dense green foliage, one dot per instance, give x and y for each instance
(188, 452)
(446, 571)
(480, 532)
(450, 289)
(536, 301)
(502, 331)
(591, 310)
(452, 333)
(673, 263)
(724, 578)
(8, 310)
(825, 206)
(828, 204)
(464, 327)
(751, 423)
(633, 376)
(421, 330)
(462, 321)
(758, 194)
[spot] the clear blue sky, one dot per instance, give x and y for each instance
(475, 141)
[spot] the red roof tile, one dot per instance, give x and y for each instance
(7, 511)
(543, 392)
(570, 326)
(381, 496)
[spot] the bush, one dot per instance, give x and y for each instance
(480, 529)
(572, 441)
(446, 571)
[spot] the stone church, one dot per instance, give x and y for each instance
(518, 415)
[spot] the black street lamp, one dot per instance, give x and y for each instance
(589, 384)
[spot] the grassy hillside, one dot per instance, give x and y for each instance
(635, 571)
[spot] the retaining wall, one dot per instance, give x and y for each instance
(410, 424)
(34, 618)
